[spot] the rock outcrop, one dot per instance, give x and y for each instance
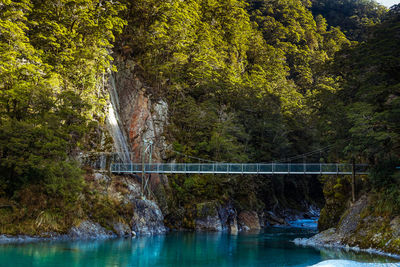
(233, 227)
(211, 216)
(358, 229)
(148, 218)
(249, 221)
(89, 230)
(122, 229)
(207, 218)
(268, 218)
(143, 117)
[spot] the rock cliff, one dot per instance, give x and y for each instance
(358, 227)
(142, 117)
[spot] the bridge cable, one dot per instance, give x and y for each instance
(307, 153)
(201, 159)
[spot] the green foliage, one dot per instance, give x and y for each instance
(61, 202)
(384, 175)
(337, 193)
(195, 188)
(386, 201)
(51, 57)
(368, 101)
(306, 43)
(354, 17)
(237, 76)
(245, 192)
(244, 80)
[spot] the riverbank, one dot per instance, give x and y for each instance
(345, 263)
(360, 226)
(103, 207)
(320, 241)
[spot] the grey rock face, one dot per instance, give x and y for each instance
(147, 218)
(121, 229)
(101, 177)
(395, 227)
(207, 218)
(142, 116)
(209, 223)
(89, 230)
(351, 218)
(326, 238)
(347, 226)
(227, 215)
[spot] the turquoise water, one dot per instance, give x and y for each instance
(272, 247)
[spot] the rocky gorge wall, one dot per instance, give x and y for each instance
(356, 225)
(360, 229)
(144, 116)
(108, 207)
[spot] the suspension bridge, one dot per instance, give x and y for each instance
(239, 168)
(115, 163)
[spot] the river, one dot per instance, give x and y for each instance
(271, 247)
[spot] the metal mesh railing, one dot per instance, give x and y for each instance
(238, 168)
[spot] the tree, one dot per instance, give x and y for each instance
(48, 94)
(354, 17)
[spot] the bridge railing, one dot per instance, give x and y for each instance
(239, 168)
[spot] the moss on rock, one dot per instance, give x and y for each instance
(336, 191)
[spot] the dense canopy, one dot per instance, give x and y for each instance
(245, 81)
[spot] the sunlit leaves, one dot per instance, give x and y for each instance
(52, 54)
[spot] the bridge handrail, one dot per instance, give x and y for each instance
(240, 168)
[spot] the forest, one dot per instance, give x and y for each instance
(245, 81)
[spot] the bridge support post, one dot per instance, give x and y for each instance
(353, 180)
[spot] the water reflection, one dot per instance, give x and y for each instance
(272, 247)
(332, 253)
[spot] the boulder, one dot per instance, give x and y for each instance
(233, 228)
(269, 218)
(248, 220)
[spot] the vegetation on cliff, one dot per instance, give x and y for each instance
(364, 114)
(52, 58)
(245, 81)
(354, 17)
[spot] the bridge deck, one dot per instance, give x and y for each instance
(239, 168)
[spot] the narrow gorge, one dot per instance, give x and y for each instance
(182, 133)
